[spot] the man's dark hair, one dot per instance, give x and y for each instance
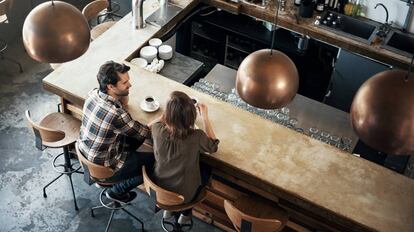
(107, 74)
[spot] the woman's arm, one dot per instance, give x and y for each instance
(157, 119)
(207, 125)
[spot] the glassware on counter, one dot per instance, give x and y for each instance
(280, 116)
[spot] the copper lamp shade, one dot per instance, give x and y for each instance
(55, 33)
(266, 80)
(382, 112)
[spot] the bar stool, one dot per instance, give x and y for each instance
(57, 130)
(93, 10)
(98, 174)
(111, 12)
(170, 201)
(249, 214)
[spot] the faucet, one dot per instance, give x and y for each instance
(386, 11)
(410, 5)
(385, 27)
(137, 14)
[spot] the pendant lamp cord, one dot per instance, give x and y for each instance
(274, 31)
(409, 69)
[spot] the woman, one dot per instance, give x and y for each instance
(177, 148)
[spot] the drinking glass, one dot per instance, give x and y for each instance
(300, 130)
(285, 110)
(334, 140)
(325, 136)
(313, 132)
(293, 122)
(346, 143)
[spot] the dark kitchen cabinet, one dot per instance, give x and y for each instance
(227, 39)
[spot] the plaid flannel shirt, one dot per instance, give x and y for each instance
(105, 126)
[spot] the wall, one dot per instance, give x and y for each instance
(397, 10)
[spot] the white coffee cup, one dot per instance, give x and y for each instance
(155, 42)
(150, 102)
(195, 100)
(148, 53)
(140, 62)
(165, 52)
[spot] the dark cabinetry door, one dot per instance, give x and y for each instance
(350, 72)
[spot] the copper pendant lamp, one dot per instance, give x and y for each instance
(55, 32)
(382, 112)
(266, 78)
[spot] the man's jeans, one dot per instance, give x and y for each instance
(130, 174)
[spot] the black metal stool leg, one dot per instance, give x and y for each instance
(69, 169)
(73, 192)
(110, 12)
(110, 220)
(3, 57)
(130, 214)
(51, 182)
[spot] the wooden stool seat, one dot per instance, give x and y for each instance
(175, 208)
(57, 130)
(260, 208)
(170, 201)
(62, 122)
(257, 214)
(100, 29)
(96, 9)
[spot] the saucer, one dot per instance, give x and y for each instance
(145, 108)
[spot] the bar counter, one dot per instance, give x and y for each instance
(341, 190)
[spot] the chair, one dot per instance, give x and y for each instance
(110, 12)
(167, 200)
(250, 214)
(93, 10)
(4, 7)
(98, 174)
(57, 130)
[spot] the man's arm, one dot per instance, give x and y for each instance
(125, 125)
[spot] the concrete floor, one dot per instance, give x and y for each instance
(24, 170)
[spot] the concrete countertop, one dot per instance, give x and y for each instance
(364, 193)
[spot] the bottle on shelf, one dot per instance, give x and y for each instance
(320, 6)
(326, 4)
(356, 10)
(348, 8)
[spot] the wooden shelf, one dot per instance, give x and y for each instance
(238, 48)
(231, 64)
(199, 54)
(205, 36)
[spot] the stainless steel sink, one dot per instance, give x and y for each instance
(354, 28)
(400, 42)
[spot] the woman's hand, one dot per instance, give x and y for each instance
(203, 110)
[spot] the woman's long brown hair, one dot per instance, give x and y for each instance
(180, 115)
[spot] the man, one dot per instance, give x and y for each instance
(109, 136)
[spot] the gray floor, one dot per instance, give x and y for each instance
(24, 169)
